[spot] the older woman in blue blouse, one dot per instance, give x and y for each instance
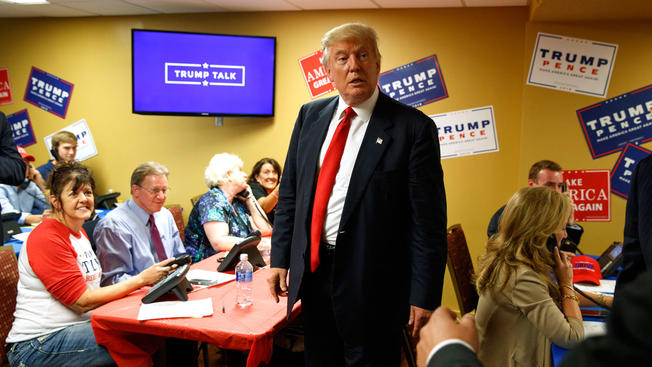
(224, 215)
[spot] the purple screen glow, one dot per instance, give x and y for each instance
(206, 74)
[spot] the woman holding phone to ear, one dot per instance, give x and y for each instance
(59, 281)
(522, 308)
(227, 213)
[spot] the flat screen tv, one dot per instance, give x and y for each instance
(199, 74)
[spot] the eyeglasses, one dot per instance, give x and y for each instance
(156, 191)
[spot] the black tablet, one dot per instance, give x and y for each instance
(246, 246)
(175, 282)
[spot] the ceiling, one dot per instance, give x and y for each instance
(540, 10)
(86, 8)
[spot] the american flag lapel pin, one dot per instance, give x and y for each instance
(379, 141)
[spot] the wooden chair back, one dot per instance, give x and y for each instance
(176, 211)
(460, 268)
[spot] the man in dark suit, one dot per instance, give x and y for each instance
(637, 244)
(361, 217)
(445, 343)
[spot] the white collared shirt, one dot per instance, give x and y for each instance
(358, 129)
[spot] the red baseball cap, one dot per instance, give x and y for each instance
(23, 153)
(586, 269)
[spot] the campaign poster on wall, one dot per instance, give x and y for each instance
(621, 173)
(466, 132)
(21, 128)
(589, 190)
(48, 92)
(572, 64)
(5, 87)
(609, 125)
(415, 84)
(85, 143)
(315, 76)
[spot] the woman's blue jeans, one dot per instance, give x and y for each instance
(71, 346)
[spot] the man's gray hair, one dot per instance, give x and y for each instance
(146, 169)
(219, 167)
(348, 31)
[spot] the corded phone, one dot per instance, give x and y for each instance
(611, 259)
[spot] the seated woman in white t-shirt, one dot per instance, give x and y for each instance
(59, 281)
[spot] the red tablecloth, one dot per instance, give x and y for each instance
(132, 342)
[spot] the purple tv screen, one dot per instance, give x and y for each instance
(175, 73)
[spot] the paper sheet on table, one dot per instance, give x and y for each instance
(21, 236)
(606, 286)
(594, 328)
(210, 278)
(175, 309)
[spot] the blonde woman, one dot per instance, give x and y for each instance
(522, 308)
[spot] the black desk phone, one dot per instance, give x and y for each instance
(611, 259)
(175, 282)
(246, 246)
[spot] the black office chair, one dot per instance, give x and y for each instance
(106, 201)
(89, 227)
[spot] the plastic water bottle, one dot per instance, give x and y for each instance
(243, 277)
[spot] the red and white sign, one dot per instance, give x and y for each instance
(315, 75)
(589, 190)
(5, 87)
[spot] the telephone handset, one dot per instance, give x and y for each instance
(23, 186)
(611, 259)
(244, 193)
(551, 243)
(55, 154)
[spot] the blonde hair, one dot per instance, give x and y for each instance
(530, 217)
(348, 31)
(218, 168)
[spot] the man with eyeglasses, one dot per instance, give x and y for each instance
(140, 232)
(548, 174)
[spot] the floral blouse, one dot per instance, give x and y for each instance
(213, 206)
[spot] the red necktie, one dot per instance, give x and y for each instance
(156, 238)
(325, 181)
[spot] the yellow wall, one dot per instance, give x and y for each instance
(483, 54)
(550, 126)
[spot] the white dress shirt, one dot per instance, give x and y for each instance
(353, 142)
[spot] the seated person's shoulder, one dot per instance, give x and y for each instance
(166, 213)
(527, 280)
(519, 278)
(212, 199)
(45, 169)
(525, 272)
(257, 190)
(115, 220)
(4, 188)
(494, 221)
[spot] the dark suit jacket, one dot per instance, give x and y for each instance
(12, 167)
(637, 244)
(391, 246)
(628, 341)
